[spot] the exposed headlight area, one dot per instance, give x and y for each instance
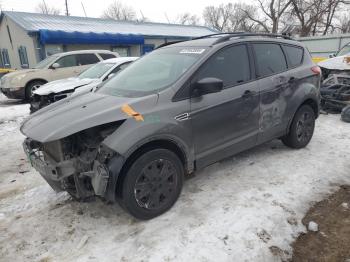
(39, 101)
(77, 163)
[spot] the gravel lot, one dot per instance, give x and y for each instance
(245, 208)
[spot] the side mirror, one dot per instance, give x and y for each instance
(55, 65)
(110, 75)
(207, 85)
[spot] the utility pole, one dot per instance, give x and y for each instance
(67, 12)
(83, 9)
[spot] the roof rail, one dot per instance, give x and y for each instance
(244, 34)
(217, 34)
(226, 36)
(169, 43)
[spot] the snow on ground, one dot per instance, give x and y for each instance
(245, 208)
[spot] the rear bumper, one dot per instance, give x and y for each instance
(17, 94)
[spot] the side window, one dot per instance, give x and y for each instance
(269, 59)
(231, 65)
(107, 56)
(5, 58)
(294, 54)
(23, 58)
(87, 59)
(67, 61)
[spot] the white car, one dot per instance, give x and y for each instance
(339, 63)
(85, 82)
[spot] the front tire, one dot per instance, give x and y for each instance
(31, 87)
(152, 184)
(302, 128)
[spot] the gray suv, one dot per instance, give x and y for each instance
(178, 109)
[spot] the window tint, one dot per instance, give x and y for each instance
(294, 54)
(87, 59)
(269, 58)
(231, 65)
(107, 56)
(67, 61)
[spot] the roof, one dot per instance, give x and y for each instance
(34, 22)
(85, 52)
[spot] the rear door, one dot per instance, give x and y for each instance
(274, 85)
(226, 122)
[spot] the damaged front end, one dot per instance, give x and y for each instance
(335, 93)
(39, 101)
(78, 164)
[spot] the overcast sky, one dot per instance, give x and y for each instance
(152, 9)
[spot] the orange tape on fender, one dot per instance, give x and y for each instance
(131, 112)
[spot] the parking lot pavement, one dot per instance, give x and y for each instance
(241, 209)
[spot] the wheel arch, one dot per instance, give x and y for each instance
(33, 80)
(313, 103)
(159, 143)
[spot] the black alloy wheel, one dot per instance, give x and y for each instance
(302, 128)
(152, 183)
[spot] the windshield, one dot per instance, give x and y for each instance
(153, 72)
(345, 50)
(96, 71)
(47, 61)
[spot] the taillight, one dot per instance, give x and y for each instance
(316, 70)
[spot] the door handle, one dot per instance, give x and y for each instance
(247, 94)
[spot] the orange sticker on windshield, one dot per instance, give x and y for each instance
(131, 112)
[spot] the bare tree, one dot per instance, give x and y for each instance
(218, 17)
(118, 11)
(187, 19)
(230, 18)
(345, 24)
(272, 12)
(48, 10)
(315, 16)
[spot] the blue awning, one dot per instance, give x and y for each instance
(62, 37)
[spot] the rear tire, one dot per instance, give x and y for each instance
(152, 184)
(31, 87)
(301, 129)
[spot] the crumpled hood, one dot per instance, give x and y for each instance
(336, 63)
(78, 113)
(63, 85)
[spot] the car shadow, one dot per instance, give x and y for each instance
(5, 102)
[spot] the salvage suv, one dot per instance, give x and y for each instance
(176, 110)
(21, 84)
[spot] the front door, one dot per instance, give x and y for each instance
(226, 122)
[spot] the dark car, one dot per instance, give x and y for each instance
(176, 110)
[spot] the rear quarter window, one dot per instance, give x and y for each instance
(294, 54)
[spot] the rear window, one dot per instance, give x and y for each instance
(294, 54)
(107, 56)
(269, 58)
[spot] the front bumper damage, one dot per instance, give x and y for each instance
(80, 177)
